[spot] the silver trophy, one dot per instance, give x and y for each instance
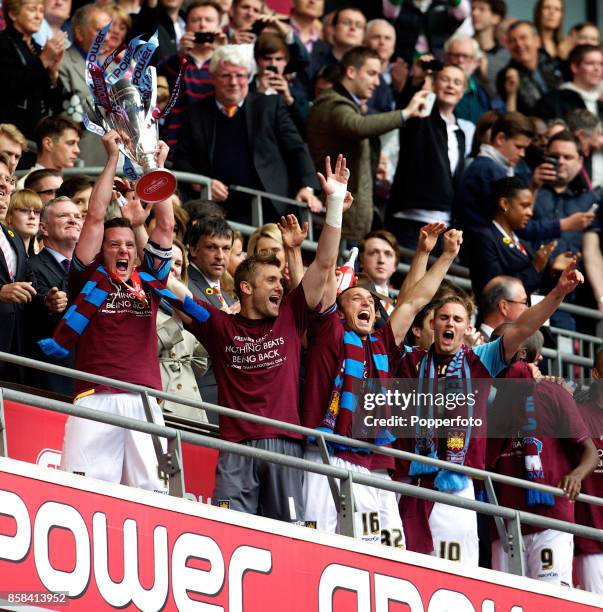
(124, 94)
(137, 127)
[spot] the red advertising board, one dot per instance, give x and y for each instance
(36, 436)
(108, 546)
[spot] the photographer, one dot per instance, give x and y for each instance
(272, 57)
(197, 45)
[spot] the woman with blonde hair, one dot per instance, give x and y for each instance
(237, 255)
(121, 24)
(23, 216)
(269, 239)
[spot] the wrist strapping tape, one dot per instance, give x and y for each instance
(335, 203)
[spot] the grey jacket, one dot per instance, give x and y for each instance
(335, 126)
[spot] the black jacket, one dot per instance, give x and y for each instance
(150, 19)
(27, 94)
(559, 103)
(423, 179)
(280, 156)
(40, 322)
(490, 255)
(12, 328)
(530, 88)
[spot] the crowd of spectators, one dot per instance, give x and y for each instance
(431, 114)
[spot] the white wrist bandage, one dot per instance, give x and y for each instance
(335, 203)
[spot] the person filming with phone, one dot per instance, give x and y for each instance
(431, 162)
(197, 45)
(563, 193)
(272, 56)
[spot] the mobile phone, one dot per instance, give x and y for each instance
(431, 65)
(204, 37)
(553, 160)
(430, 99)
(271, 68)
(258, 26)
(594, 208)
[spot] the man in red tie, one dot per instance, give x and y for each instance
(246, 139)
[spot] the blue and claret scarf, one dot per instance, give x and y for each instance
(78, 316)
(532, 448)
(343, 403)
(457, 379)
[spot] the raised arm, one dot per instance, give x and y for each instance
(428, 237)
(418, 296)
(163, 232)
(334, 186)
(530, 321)
(293, 236)
(91, 237)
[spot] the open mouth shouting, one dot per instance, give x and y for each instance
(121, 265)
(364, 316)
(275, 299)
(448, 336)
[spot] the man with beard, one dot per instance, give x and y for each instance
(256, 360)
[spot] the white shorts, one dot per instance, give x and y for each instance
(392, 533)
(548, 556)
(454, 531)
(590, 572)
(375, 509)
(113, 453)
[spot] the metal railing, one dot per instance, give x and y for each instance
(171, 465)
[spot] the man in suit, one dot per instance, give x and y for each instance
(60, 225)
(337, 124)
(85, 23)
(503, 299)
(210, 242)
(16, 288)
(243, 138)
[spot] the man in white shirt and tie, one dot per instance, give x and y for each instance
(60, 225)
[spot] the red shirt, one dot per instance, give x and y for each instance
(256, 363)
(554, 411)
(587, 514)
(324, 356)
(121, 339)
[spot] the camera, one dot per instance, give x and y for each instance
(431, 65)
(258, 27)
(204, 37)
